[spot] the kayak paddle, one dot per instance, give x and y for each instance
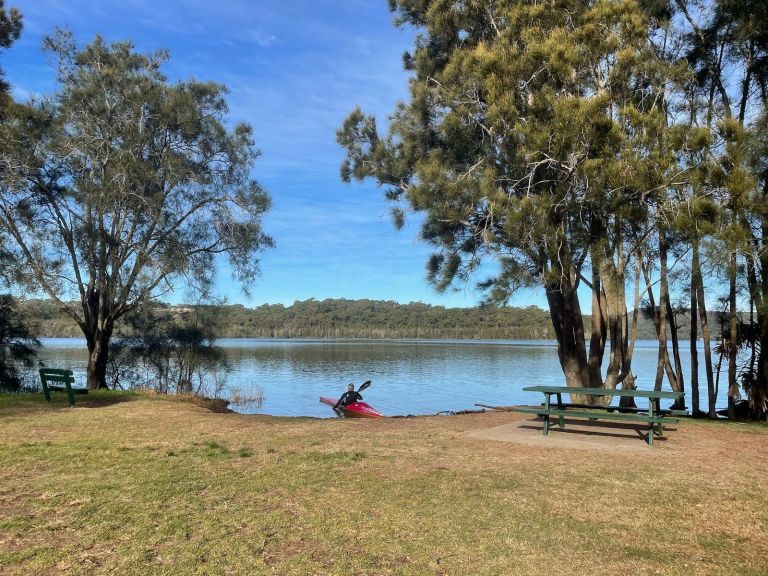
(364, 385)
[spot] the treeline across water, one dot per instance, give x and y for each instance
(340, 318)
(384, 319)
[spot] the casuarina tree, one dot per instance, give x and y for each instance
(534, 136)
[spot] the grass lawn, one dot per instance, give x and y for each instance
(134, 484)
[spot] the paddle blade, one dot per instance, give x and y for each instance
(364, 385)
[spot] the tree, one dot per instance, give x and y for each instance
(535, 135)
(17, 344)
(10, 29)
(124, 183)
(728, 49)
(171, 351)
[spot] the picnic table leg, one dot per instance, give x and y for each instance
(560, 407)
(545, 430)
(657, 402)
(592, 419)
(651, 426)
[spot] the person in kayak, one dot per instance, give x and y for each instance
(349, 397)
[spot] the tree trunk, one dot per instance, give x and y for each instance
(599, 328)
(97, 330)
(568, 325)
(98, 355)
(694, 336)
(733, 347)
(620, 359)
(662, 313)
(705, 332)
(627, 378)
(572, 366)
(657, 313)
(678, 384)
(760, 397)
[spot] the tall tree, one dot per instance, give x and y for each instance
(17, 343)
(728, 48)
(10, 29)
(757, 389)
(123, 183)
(534, 134)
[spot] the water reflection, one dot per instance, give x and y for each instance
(409, 377)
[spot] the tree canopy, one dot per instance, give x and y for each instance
(122, 183)
(534, 135)
(10, 30)
(580, 145)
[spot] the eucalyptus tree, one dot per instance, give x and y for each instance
(535, 135)
(123, 184)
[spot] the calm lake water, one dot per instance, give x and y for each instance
(409, 376)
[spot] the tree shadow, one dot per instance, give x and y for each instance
(60, 401)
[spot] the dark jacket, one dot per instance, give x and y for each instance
(348, 398)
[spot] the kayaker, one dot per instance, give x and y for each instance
(349, 397)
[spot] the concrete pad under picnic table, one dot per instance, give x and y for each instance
(578, 433)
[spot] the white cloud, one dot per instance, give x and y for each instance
(261, 38)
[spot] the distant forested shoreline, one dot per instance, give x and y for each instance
(341, 318)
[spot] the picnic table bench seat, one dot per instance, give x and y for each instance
(58, 380)
(627, 409)
(596, 415)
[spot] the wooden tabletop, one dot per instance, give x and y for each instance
(605, 392)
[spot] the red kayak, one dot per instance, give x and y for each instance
(354, 410)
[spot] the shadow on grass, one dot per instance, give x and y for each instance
(59, 400)
(101, 399)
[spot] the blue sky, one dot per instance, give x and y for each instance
(295, 69)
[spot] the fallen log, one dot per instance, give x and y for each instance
(497, 408)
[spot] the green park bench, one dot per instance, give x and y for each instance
(57, 380)
(561, 410)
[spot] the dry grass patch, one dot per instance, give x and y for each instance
(145, 485)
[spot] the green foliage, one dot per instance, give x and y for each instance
(10, 30)
(727, 49)
(122, 184)
(537, 135)
(170, 351)
(17, 344)
(335, 318)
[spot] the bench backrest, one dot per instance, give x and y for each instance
(56, 375)
(55, 379)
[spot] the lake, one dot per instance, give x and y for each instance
(409, 376)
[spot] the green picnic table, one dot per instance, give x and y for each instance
(653, 417)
